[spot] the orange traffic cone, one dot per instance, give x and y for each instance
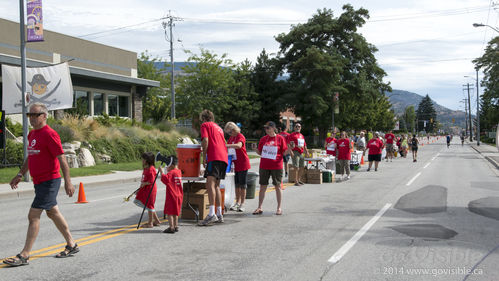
(81, 195)
(362, 160)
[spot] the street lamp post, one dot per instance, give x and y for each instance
(481, 24)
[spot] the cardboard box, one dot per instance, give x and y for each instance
(199, 201)
(314, 176)
(315, 153)
(291, 174)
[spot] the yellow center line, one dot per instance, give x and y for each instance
(94, 238)
(81, 242)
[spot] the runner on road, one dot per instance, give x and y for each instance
(389, 145)
(448, 140)
(414, 148)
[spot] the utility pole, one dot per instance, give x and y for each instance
(477, 111)
(170, 24)
(465, 117)
(469, 110)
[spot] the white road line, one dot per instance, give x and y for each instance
(426, 165)
(348, 245)
(414, 178)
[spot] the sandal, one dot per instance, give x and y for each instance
(18, 260)
(258, 212)
(279, 212)
(176, 229)
(169, 230)
(68, 251)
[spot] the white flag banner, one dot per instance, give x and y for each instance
(50, 85)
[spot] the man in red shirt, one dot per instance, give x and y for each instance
(298, 145)
(215, 161)
(375, 145)
(343, 146)
(45, 157)
(389, 138)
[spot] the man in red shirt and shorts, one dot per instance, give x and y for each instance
(45, 157)
(215, 161)
(389, 138)
(298, 145)
(343, 146)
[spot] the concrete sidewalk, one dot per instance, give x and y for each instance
(114, 178)
(488, 151)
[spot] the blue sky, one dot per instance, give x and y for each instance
(425, 46)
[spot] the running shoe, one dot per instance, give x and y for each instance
(209, 220)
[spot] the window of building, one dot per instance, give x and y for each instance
(80, 104)
(98, 104)
(112, 105)
(122, 106)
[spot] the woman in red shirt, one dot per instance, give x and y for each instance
(237, 148)
(271, 148)
(375, 145)
(330, 144)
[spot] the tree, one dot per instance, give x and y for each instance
(156, 105)
(208, 83)
(489, 64)
(426, 114)
(409, 117)
(327, 55)
(269, 90)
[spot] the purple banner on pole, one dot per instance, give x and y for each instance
(34, 22)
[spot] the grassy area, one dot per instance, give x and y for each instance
(6, 174)
(251, 156)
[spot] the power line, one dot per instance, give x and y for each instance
(120, 28)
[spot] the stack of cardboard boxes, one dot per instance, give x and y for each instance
(314, 176)
(197, 196)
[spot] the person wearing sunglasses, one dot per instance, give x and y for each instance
(45, 158)
(298, 146)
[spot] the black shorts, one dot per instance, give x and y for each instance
(240, 179)
(265, 176)
(216, 169)
(414, 148)
(285, 158)
(374, 157)
(46, 194)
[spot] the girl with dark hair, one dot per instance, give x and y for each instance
(148, 176)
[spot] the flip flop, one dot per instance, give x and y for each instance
(257, 212)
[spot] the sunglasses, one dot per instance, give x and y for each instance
(34, 114)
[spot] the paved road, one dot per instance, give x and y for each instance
(430, 220)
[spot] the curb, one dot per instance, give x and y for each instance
(21, 193)
(492, 161)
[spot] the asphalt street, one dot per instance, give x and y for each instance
(436, 219)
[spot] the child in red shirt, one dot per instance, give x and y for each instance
(148, 177)
(174, 193)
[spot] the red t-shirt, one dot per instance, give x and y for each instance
(148, 175)
(241, 163)
(389, 138)
(285, 135)
(44, 145)
(331, 146)
(343, 147)
(272, 150)
(299, 141)
(375, 146)
(174, 192)
(217, 151)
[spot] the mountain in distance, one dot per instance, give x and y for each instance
(401, 99)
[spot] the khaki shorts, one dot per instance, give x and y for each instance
(389, 147)
(298, 159)
(265, 176)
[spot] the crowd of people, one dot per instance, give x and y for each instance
(276, 148)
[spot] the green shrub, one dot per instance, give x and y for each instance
(193, 134)
(67, 134)
(14, 152)
(14, 128)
